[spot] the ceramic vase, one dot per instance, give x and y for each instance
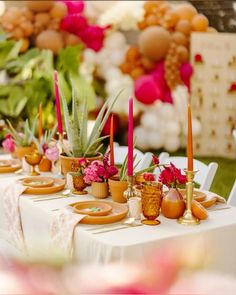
(173, 204)
(117, 189)
(99, 190)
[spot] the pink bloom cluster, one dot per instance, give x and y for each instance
(8, 144)
(149, 177)
(76, 23)
(99, 171)
(172, 176)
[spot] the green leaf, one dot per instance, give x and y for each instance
(69, 59)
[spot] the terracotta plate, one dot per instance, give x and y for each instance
(119, 211)
(93, 208)
(38, 181)
(57, 186)
(9, 166)
(198, 195)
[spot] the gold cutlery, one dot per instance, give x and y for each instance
(105, 230)
(50, 198)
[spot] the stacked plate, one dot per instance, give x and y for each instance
(38, 185)
(9, 166)
(100, 212)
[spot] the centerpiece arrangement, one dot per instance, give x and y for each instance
(80, 144)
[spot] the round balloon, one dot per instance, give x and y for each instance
(147, 90)
(154, 42)
(186, 11)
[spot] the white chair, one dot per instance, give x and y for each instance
(120, 153)
(205, 175)
(232, 196)
(234, 134)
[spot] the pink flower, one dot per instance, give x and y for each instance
(172, 176)
(74, 6)
(82, 162)
(155, 160)
(52, 153)
(8, 144)
(149, 177)
(44, 147)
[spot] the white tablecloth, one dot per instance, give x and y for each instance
(215, 237)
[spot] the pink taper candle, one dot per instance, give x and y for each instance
(130, 138)
(57, 100)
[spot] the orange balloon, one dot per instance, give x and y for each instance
(180, 38)
(200, 23)
(152, 20)
(132, 54)
(183, 53)
(137, 72)
(150, 6)
(171, 17)
(126, 67)
(147, 63)
(142, 24)
(199, 211)
(186, 11)
(154, 42)
(183, 26)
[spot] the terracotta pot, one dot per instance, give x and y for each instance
(99, 190)
(21, 151)
(173, 204)
(117, 189)
(45, 165)
(68, 162)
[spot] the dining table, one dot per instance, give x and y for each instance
(213, 241)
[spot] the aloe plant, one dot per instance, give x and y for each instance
(45, 139)
(24, 138)
(82, 145)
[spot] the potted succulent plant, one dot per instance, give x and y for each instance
(118, 184)
(97, 174)
(23, 140)
(42, 145)
(80, 144)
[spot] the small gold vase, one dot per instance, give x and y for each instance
(79, 184)
(151, 202)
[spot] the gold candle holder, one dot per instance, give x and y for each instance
(188, 218)
(130, 192)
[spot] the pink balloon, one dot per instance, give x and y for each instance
(186, 71)
(147, 90)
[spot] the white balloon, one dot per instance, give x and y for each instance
(89, 56)
(172, 128)
(115, 40)
(112, 73)
(141, 136)
(172, 143)
(150, 120)
(116, 57)
(155, 139)
(168, 111)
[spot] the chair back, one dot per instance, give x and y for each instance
(205, 175)
(232, 196)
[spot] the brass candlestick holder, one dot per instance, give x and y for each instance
(188, 218)
(130, 192)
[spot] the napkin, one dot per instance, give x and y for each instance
(12, 213)
(62, 230)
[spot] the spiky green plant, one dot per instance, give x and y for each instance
(82, 145)
(24, 138)
(45, 139)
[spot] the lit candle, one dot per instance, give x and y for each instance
(190, 141)
(130, 138)
(40, 121)
(112, 162)
(57, 100)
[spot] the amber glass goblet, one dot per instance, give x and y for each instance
(33, 159)
(79, 184)
(151, 195)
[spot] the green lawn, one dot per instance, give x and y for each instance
(225, 175)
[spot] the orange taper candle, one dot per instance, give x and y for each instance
(40, 121)
(190, 141)
(112, 162)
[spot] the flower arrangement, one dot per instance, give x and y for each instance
(172, 177)
(149, 178)
(99, 171)
(78, 169)
(8, 144)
